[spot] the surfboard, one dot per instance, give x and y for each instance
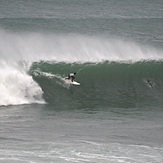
(75, 83)
(70, 82)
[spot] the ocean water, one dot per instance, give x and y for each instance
(115, 115)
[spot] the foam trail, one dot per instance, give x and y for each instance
(40, 73)
(61, 80)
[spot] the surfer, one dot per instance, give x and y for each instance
(71, 76)
(150, 83)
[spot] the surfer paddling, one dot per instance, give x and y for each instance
(71, 76)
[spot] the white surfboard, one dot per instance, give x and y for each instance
(75, 83)
(70, 82)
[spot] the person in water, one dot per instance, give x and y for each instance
(150, 83)
(71, 76)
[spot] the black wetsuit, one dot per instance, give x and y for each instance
(71, 76)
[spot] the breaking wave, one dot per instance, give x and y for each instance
(33, 65)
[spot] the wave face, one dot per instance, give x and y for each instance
(111, 71)
(103, 84)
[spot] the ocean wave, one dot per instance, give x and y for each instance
(34, 65)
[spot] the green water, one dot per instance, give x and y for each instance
(103, 84)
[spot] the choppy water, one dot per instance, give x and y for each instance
(116, 49)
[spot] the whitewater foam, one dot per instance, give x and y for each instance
(17, 87)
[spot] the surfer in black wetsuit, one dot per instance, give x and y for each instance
(71, 76)
(150, 83)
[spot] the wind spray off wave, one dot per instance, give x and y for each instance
(34, 47)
